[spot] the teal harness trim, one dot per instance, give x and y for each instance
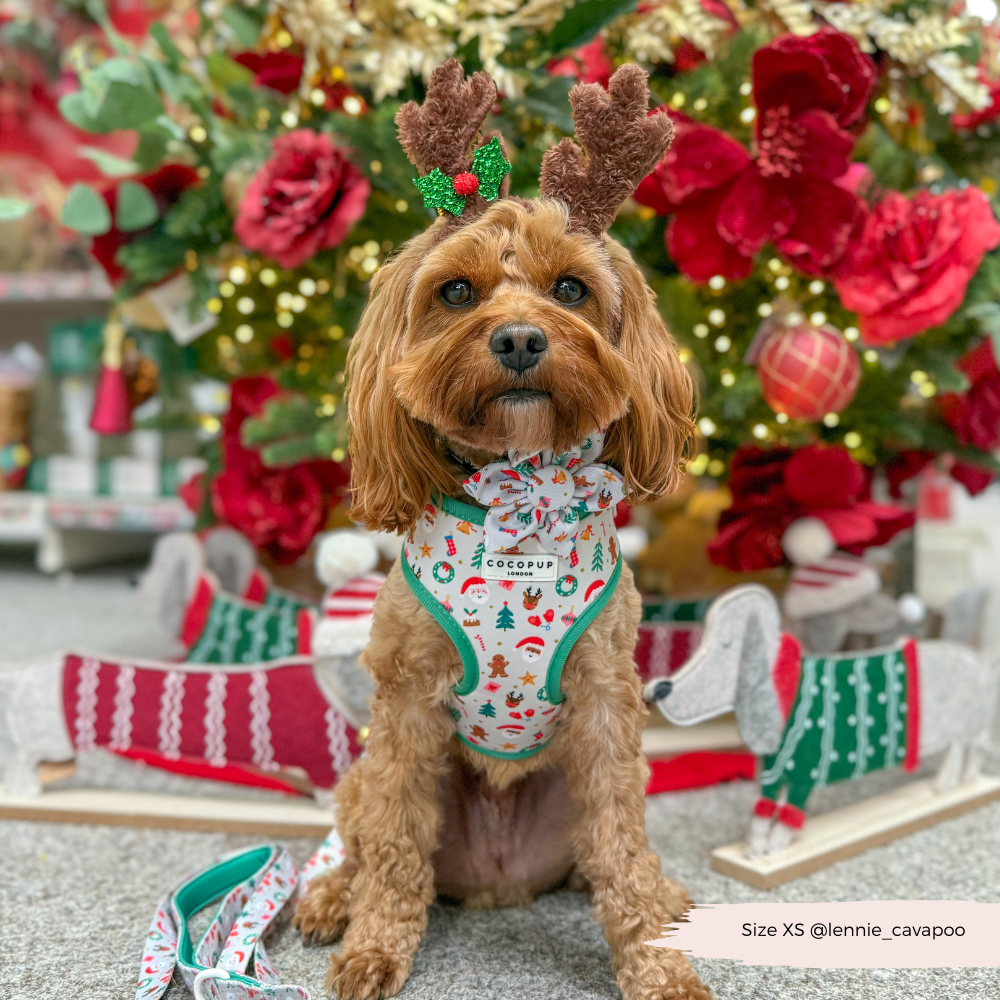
(454, 631)
(554, 676)
(474, 515)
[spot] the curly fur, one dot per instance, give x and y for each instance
(421, 813)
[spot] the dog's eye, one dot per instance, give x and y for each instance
(457, 293)
(569, 291)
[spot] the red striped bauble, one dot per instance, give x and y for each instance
(808, 371)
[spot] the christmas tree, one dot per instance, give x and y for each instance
(597, 560)
(821, 235)
(505, 618)
(488, 710)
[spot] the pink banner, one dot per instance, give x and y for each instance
(885, 934)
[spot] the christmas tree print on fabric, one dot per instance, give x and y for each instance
(488, 710)
(505, 619)
(597, 562)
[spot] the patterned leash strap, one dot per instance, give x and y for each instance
(230, 961)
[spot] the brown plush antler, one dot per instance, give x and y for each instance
(621, 144)
(444, 131)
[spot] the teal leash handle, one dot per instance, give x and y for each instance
(252, 887)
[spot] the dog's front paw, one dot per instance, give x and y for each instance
(661, 974)
(321, 915)
(367, 974)
(672, 900)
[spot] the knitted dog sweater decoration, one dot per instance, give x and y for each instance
(851, 715)
(514, 586)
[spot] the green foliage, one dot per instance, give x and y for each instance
(135, 207)
(86, 211)
(583, 21)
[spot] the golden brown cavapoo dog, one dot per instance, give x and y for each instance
(518, 324)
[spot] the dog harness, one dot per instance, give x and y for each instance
(515, 585)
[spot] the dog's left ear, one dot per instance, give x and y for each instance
(648, 444)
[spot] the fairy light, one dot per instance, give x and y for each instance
(717, 282)
(722, 344)
(716, 467)
(700, 104)
(227, 289)
(268, 277)
(700, 331)
(747, 115)
(684, 355)
(289, 118)
(402, 205)
(728, 379)
(746, 88)
(678, 100)
(318, 97)
(244, 333)
(852, 333)
(352, 105)
(335, 332)
(307, 287)
(698, 464)
(298, 303)
(707, 426)
(818, 318)
(245, 305)
(760, 431)
(831, 420)
(284, 38)
(870, 356)
(338, 454)
(782, 418)
(927, 389)
(285, 320)
(716, 317)
(765, 309)
(375, 166)
(781, 283)
(214, 305)
(238, 274)
(882, 105)
(197, 133)
(918, 377)
(816, 287)
(852, 439)
(284, 301)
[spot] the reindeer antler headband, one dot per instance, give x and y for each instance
(619, 143)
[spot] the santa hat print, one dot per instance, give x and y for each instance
(531, 648)
(592, 589)
(345, 620)
(476, 589)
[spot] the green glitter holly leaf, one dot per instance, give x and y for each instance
(490, 167)
(439, 192)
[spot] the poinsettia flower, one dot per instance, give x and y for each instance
(588, 64)
(773, 488)
(728, 203)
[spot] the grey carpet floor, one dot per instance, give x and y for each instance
(75, 901)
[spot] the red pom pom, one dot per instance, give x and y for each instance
(466, 184)
(808, 371)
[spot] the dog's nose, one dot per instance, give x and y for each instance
(518, 345)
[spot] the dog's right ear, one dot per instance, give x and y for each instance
(395, 467)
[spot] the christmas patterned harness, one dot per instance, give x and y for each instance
(515, 585)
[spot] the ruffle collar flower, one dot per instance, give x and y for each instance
(544, 494)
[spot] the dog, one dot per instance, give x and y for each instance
(509, 326)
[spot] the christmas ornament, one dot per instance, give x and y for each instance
(808, 371)
(112, 413)
(489, 167)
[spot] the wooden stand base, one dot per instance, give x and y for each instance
(843, 833)
(292, 817)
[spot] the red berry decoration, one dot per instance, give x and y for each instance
(466, 184)
(808, 371)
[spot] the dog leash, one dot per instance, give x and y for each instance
(252, 886)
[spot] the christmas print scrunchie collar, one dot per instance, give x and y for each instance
(544, 494)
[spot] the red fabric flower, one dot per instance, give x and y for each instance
(907, 464)
(984, 116)
(908, 268)
(589, 64)
(281, 71)
(280, 510)
(773, 488)
(727, 204)
(974, 415)
(304, 199)
(166, 185)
